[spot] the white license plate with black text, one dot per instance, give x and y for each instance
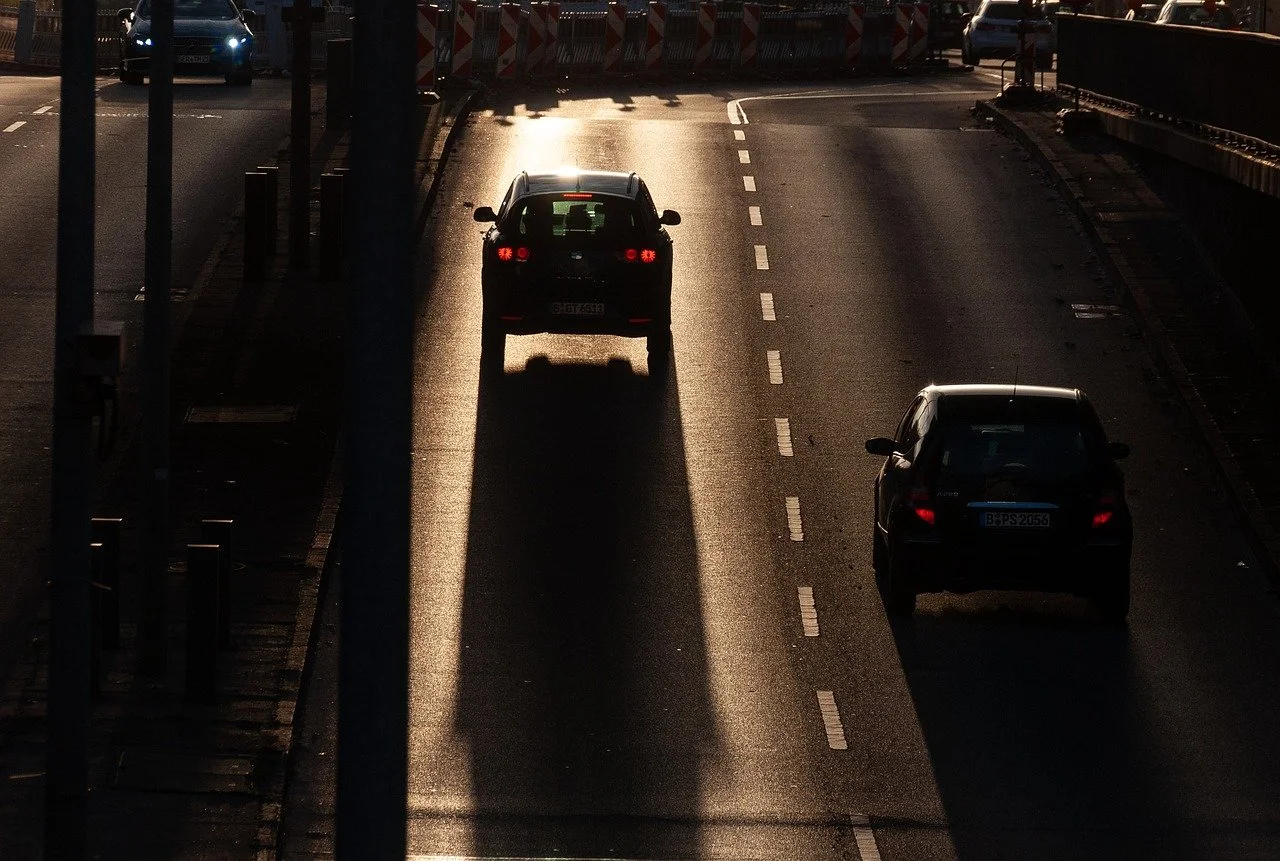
(1016, 519)
(193, 58)
(578, 309)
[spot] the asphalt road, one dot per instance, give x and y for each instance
(609, 656)
(219, 132)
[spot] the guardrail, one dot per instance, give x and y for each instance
(1195, 75)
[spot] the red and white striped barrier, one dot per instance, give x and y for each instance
(615, 27)
(853, 35)
(919, 33)
(508, 30)
(536, 45)
(464, 36)
(552, 54)
(656, 38)
(901, 34)
(428, 28)
(706, 34)
(749, 35)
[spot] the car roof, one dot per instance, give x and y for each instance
(600, 181)
(1008, 390)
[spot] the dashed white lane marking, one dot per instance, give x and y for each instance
(739, 135)
(795, 525)
(808, 611)
(19, 124)
(864, 838)
(831, 719)
(753, 212)
(766, 308)
(783, 427)
(744, 157)
(749, 183)
(43, 110)
(762, 258)
(774, 358)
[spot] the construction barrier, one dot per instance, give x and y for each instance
(615, 29)
(749, 35)
(508, 30)
(655, 35)
(464, 36)
(706, 35)
(853, 35)
(550, 60)
(536, 35)
(428, 30)
(902, 14)
(919, 39)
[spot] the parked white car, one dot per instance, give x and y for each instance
(992, 33)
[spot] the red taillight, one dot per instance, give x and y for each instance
(1102, 518)
(577, 195)
(1106, 510)
(522, 253)
(922, 507)
(648, 255)
(506, 252)
(643, 255)
(632, 255)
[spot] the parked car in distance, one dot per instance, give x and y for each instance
(577, 251)
(210, 37)
(992, 32)
(1194, 13)
(947, 23)
(1145, 12)
(1001, 487)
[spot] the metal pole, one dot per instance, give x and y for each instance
(67, 747)
(300, 140)
(153, 630)
(373, 707)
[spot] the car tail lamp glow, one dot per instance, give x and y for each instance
(522, 254)
(648, 255)
(642, 255)
(1106, 511)
(632, 255)
(922, 507)
(577, 195)
(507, 253)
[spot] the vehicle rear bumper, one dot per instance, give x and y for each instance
(935, 567)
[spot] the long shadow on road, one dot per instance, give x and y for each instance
(582, 684)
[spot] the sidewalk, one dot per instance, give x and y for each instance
(1207, 349)
(257, 389)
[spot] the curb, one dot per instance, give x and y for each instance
(1261, 535)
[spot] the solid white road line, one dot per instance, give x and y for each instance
(739, 135)
(795, 525)
(736, 115)
(808, 611)
(762, 258)
(753, 212)
(766, 308)
(43, 110)
(864, 838)
(774, 358)
(744, 157)
(783, 428)
(19, 124)
(749, 183)
(831, 720)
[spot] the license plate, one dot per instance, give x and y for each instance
(578, 309)
(192, 58)
(1016, 519)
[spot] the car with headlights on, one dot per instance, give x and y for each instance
(581, 252)
(1008, 487)
(210, 37)
(992, 33)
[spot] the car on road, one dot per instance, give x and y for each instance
(1013, 487)
(577, 251)
(210, 37)
(992, 33)
(947, 22)
(1145, 12)
(1195, 13)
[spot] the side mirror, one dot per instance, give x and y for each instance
(669, 216)
(123, 14)
(966, 16)
(882, 446)
(484, 213)
(248, 15)
(1117, 450)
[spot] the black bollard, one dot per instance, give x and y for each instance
(202, 623)
(338, 84)
(255, 225)
(332, 244)
(219, 532)
(273, 206)
(96, 592)
(106, 531)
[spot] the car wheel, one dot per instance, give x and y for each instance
(131, 79)
(896, 589)
(1112, 598)
(493, 348)
(659, 358)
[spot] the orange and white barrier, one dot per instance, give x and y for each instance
(464, 36)
(749, 36)
(615, 27)
(508, 29)
(552, 53)
(706, 35)
(656, 38)
(901, 34)
(919, 33)
(853, 35)
(536, 44)
(428, 32)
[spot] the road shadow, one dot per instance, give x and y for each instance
(582, 679)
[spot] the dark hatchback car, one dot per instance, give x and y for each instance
(582, 252)
(210, 37)
(1001, 487)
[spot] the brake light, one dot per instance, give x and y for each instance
(522, 253)
(507, 253)
(577, 195)
(648, 255)
(632, 255)
(922, 506)
(1106, 509)
(643, 255)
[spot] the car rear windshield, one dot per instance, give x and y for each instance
(1010, 11)
(576, 215)
(976, 455)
